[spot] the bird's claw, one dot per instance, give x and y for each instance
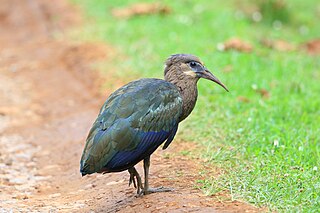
(136, 180)
(132, 180)
(154, 190)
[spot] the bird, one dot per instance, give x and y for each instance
(140, 116)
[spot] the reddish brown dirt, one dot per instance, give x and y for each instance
(312, 46)
(48, 101)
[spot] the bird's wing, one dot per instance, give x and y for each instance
(132, 123)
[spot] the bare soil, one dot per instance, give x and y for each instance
(48, 100)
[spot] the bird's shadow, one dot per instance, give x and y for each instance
(118, 203)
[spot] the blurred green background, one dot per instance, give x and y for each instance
(265, 134)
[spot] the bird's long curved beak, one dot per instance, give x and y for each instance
(208, 75)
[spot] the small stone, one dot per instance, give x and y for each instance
(89, 186)
(55, 195)
(79, 205)
(8, 161)
(21, 197)
(112, 183)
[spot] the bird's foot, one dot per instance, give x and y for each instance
(136, 180)
(154, 190)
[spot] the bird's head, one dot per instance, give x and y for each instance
(188, 67)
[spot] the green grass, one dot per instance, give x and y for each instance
(268, 148)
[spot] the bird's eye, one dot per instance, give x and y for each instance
(193, 64)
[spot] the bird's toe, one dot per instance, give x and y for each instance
(132, 180)
(158, 189)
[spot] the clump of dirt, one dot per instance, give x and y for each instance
(235, 44)
(312, 47)
(243, 99)
(280, 45)
(139, 9)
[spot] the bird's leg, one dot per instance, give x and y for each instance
(135, 179)
(146, 165)
(146, 189)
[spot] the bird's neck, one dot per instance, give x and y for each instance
(189, 93)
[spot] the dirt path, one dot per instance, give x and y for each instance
(48, 101)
